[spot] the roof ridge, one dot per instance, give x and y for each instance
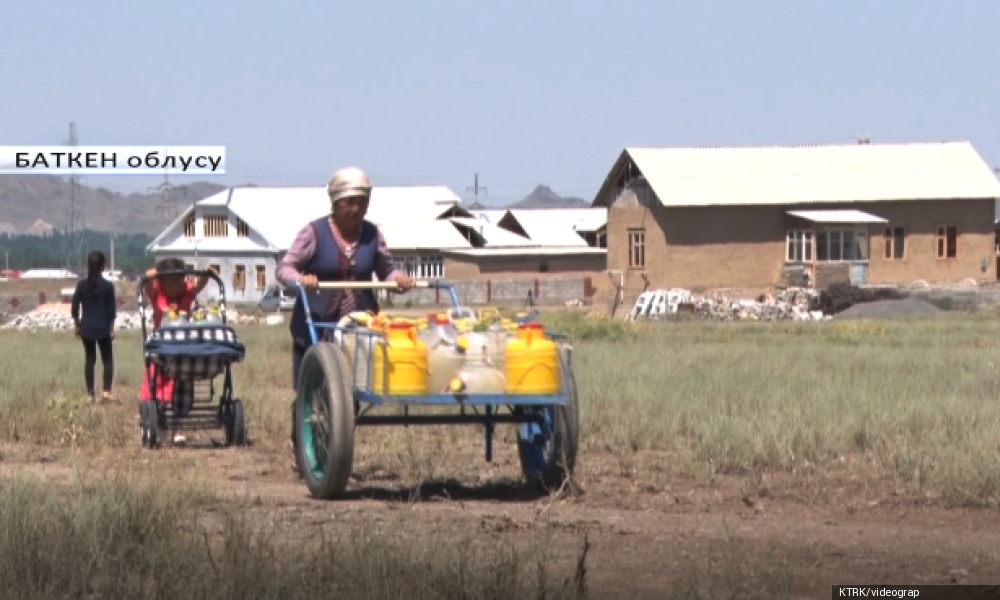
(806, 146)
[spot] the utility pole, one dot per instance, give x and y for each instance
(167, 209)
(73, 225)
(475, 190)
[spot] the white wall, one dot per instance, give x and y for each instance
(227, 264)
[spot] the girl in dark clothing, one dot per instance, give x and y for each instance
(96, 296)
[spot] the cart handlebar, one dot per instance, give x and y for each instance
(365, 285)
(180, 273)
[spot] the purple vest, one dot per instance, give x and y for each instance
(328, 263)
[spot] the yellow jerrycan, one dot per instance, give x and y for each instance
(532, 362)
(407, 357)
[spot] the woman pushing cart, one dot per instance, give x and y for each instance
(340, 247)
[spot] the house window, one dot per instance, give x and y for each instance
(424, 267)
(842, 245)
(189, 225)
(637, 249)
(543, 267)
(240, 278)
(894, 240)
(799, 245)
(947, 241)
(261, 278)
(242, 229)
(216, 225)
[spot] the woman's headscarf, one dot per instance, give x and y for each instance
(347, 183)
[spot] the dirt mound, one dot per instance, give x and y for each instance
(889, 308)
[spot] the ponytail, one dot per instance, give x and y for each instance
(95, 266)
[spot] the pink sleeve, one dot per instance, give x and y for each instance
(297, 257)
(385, 266)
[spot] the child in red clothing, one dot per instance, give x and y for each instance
(167, 292)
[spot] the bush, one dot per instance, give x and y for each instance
(841, 296)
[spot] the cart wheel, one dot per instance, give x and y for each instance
(325, 418)
(143, 425)
(236, 425)
(548, 450)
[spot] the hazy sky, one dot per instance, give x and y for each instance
(432, 92)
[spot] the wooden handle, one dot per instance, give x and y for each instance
(366, 285)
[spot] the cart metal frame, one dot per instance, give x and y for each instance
(543, 420)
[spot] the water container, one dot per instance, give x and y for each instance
(407, 357)
(482, 348)
(482, 371)
(478, 379)
(532, 364)
(356, 345)
(444, 362)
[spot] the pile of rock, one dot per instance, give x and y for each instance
(791, 304)
(58, 320)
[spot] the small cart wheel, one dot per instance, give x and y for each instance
(325, 417)
(153, 437)
(236, 425)
(548, 450)
(143, 425)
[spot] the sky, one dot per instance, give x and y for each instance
(521, 92)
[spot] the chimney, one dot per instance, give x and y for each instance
(864, 140)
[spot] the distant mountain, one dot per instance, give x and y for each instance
(38, 203)
(544, 197)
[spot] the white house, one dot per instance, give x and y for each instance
(243, 232)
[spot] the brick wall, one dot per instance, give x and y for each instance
(503, 292)
(24, 295)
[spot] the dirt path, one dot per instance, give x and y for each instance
(643, 539)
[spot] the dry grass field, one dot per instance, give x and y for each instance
(716, 460)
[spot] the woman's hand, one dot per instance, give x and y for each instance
(404, 282)
(309, 282)
(151, 274)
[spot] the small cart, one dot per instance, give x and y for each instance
(193, 356)
(330, 405)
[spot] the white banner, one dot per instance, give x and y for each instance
(112, 160)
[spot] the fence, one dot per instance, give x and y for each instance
(504, 292)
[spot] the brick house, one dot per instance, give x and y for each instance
(702, 218)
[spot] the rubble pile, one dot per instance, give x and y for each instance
(57, 320)
(48, 318)
(792, 304)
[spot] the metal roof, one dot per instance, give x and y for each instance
(490, 216)
(494, 236)
(530, 251)
(278, 214)
(810, 174)
(837, 216)
(556, 227)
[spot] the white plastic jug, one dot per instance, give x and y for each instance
(444, 361)
(478, 380)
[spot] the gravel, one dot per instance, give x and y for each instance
(889, 308)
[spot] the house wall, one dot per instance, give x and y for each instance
(493, 267)
(227, 268)
(744, 246)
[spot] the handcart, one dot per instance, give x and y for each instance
(193, 355)
(330, 404)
